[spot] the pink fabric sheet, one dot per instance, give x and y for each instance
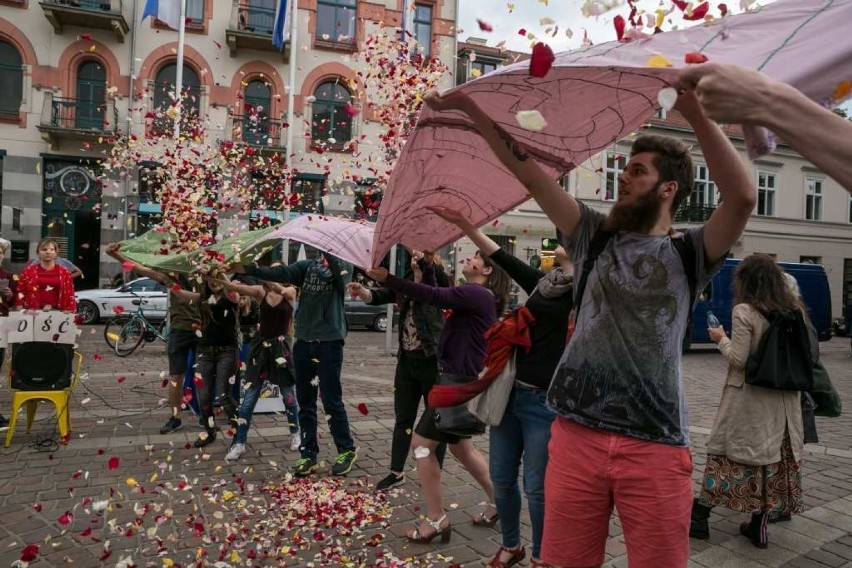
(347, 239)
(592, 98)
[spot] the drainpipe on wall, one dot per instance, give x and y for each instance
(127, 183)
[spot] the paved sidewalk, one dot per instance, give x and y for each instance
(168, 504)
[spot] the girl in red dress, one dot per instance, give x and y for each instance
(45, 284)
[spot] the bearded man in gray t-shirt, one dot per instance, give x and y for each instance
(621, 435)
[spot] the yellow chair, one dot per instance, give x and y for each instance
(59, 398)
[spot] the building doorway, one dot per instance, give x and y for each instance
(72, 197)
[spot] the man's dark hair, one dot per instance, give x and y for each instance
(672, 160)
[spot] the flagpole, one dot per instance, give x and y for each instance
(291, 118)
(179, 72)
(291, 94)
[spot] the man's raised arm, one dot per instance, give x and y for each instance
(732, 178)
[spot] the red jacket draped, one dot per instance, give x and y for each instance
(503, 338)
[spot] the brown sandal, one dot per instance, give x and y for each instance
(517, 556)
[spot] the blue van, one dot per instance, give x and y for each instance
(719, 297)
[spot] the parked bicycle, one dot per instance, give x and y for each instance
(136, 329)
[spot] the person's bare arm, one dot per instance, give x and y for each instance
(289, 293)
(485, 245)
(156, 275)
(242, 289)
(186, 295)
(735, 95)
(556, 203)
(732, 178)
(361, 291)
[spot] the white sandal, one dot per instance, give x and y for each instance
(445, 532)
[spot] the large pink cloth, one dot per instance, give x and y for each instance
(347, 239)
(592, 98)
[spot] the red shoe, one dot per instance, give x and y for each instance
(517, 556)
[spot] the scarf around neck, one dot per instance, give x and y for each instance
(555, 283)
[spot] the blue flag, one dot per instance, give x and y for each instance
(281, 29)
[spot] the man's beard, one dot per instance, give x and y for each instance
(640, 217)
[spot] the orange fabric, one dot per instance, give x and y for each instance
(502, 337)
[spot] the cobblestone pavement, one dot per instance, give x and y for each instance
(117, 412)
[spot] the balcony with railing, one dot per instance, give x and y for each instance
(251, 27)
(259, 131)
(690, 213)
(98, 14)
(77, 119)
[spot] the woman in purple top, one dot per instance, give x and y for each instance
(475, 305)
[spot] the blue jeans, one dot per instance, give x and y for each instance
(323, 359)
(246, 411)
(523, 432)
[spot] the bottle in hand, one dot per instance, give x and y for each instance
(712, 320)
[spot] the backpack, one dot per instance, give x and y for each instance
(783, 358)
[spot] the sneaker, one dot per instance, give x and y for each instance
(235, 452)
(173, 424)
(304, 467)
(295, 441)
(391, 480)
(205, 440)
(344, 462)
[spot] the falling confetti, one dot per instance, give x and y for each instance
(541, 61)
(658, 61)
(531, 120)
(484, 26)
(667, 98)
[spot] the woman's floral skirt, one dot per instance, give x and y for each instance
(754, 488)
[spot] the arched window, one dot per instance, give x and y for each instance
(330, 121)
(11, 80)
(91, 95)
(256, 124)
(164, 87)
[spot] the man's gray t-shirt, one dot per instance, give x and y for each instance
(621, 369)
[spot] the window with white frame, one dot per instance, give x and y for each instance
(766, 194)
(613, 168)
(703, 189)
(813, 199)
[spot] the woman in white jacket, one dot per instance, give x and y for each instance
(754, 455)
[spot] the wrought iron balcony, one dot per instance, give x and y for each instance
(77, 119)
(258, 131)
(98, 14)
(688, 213)
(251, 28)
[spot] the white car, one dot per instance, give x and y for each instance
(94, 305)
